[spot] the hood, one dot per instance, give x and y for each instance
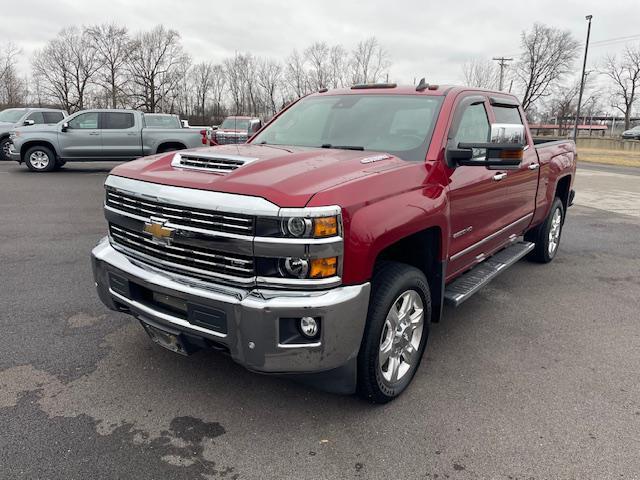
(6, 126)
(286, 176)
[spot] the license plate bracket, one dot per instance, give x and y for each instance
(167, 338)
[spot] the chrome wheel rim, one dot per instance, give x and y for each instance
(401, 336)
(39, 159)
(5, 149)
(554, 232)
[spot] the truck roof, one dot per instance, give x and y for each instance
(392, 89)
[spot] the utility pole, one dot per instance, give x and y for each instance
(582, 77)
(503, 64)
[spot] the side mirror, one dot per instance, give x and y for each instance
(65, 126)
(505, 148)
(28, 123)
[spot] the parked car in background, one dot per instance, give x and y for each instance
(97, 135)
(632, 134)
(209, 129)
(237, 129)
(15, 117)
(325, 246)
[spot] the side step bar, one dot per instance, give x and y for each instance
(470, 282)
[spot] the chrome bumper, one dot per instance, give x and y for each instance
(252, 316)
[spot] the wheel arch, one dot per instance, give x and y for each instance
(563, 189)
(35, 143)
(165, 145)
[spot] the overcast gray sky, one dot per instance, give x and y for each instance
(423, 38)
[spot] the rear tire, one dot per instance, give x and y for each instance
(547, 235)
(4, 149)
(396, 332)
(40, 159)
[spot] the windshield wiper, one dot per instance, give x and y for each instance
(341, 147)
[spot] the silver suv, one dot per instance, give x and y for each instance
(18, 117)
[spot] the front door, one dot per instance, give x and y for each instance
(476, 194)
(83, 138)
(120, 136)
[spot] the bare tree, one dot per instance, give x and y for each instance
(296, 75)
(269, 80)
(339, 67)
(12, 88)
(318, 59)
(66, 68)
(156, 64)
(624, 73)
(548, 54)
(480, 73)
(218, 84)
(111, 43)
(202, 78)
(369, 61)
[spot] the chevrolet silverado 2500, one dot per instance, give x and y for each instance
(325, 247)
(97, 135)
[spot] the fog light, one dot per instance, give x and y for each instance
(296, 267)
(309, 327)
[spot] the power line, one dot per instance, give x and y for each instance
(502, 61)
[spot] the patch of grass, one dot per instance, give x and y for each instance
(610, 157)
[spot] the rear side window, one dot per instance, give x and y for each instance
(52, 117)
(507, 115)
(36, 117)
(117, 121)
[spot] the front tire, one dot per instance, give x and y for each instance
(396, 332)
(547, 235)
(40, 159)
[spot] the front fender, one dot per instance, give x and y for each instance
(376, 226)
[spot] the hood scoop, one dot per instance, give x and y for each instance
(214, 163)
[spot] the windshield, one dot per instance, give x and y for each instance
(12, 115)
(162, 121)
(397, 124)
(235, 124)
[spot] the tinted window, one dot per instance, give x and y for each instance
(507, 115)
(52, 117)
(85, 121)
(474, 127)
(36, 117)
(397, 124)
(114, 121)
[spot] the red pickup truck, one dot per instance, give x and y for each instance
(325, 246)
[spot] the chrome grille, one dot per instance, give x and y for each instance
(223, 139)
(183, 257)
(180, 216)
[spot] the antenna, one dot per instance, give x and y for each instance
(422, 86)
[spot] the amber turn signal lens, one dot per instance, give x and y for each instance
(511, 154)
(324, 267)
(325, 226)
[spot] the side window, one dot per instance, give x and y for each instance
(85, 121)
(474, 127)
(507, 115)
(36, 117)
(52, 117)
(117, 121)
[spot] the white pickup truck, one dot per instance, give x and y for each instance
(97, 135)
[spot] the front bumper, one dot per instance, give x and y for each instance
(252, 335)
(13, 153)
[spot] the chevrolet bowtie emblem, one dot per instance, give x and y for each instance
(158, 232)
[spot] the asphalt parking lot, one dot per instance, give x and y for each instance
(535, 377)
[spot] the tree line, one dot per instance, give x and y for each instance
(106, 66)
(544, 78)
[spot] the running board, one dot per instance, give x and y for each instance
(470, 282)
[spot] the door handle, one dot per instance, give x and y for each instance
(534, 166)
(499, 176)
(94, 133)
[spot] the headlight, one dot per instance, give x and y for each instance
(297, 226)
(302, 268)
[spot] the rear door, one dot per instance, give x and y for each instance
(478, 215)
(121, 136)
(82, 138)
(521, 184)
